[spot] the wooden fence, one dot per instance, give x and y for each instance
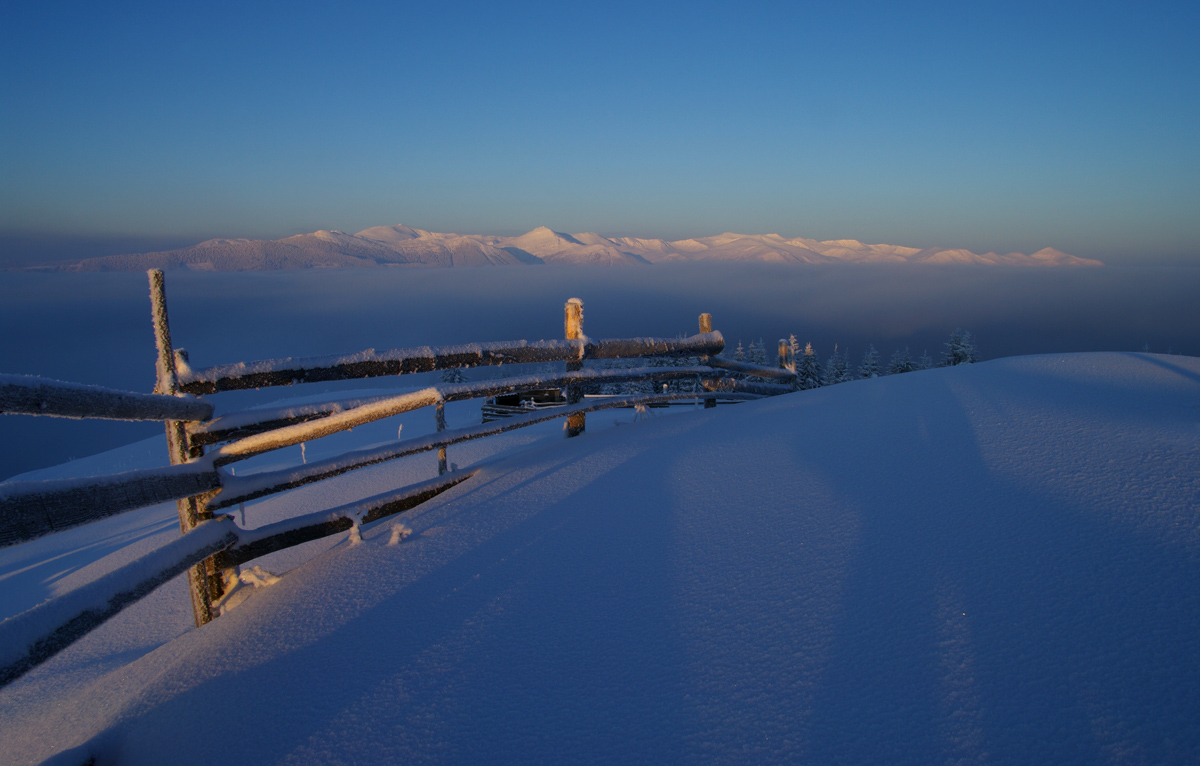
(201, 443)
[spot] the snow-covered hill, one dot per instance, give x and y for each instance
(988, 563)
(405, 246)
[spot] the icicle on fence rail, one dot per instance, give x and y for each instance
(201, 486)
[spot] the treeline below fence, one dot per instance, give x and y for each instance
(960, 348)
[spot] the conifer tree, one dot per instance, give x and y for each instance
(925, 362)
(837, 369)
(808, 370)
(870, 363)
(960, 349)
(901, 362)
(758, 353)
(453, 375)
(740, 353)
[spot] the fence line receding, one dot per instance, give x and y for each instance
(201, 442)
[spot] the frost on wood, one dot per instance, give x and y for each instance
(239, 489)
(166, 378)
(34, 636)
(250, 422)
(37, 634)
(33, 509)
(259, 542)
(30, 509)
(756, 370)
(342, 421)
(235, 425)
(30, 395)
(367, 364)
(735, 386)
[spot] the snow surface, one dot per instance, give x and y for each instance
(996, 562)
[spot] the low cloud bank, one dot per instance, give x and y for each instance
(95, 328)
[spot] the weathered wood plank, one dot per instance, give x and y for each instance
(30, 395)
(31, 509)
(369, 363)
(203, 583)
(250, 422)
(34, 636)
(275, 537)
(751, 369)
(315, 429)
(733, 385)
(573, 321)
(238, 489)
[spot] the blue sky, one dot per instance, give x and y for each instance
(1002, 126)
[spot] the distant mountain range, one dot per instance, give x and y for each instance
(405, 246)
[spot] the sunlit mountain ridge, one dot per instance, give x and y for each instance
(401, 245)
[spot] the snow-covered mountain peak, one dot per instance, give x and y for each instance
(401, 245)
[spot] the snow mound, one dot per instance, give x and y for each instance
(992, 562)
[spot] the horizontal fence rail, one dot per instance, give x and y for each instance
(32, 509)
(240, 489)
(258, 542)
(213, 546)
(34, 636)
(370, 364)
(29, 395)
(289, 429)
(758, 371)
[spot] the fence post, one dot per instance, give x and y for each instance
(706, 326)
(439, 414)
(574, 330)
(787, 360)
(200, 582)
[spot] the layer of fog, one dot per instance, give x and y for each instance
(95, 328)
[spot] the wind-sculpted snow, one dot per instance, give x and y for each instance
(990, 563)
(408, 247)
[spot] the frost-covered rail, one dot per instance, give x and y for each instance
(213, 546)
(288, 427)
(371, 364)
(29, 395)
(240, 489)
(34, 636)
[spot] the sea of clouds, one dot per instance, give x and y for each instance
(95, 328)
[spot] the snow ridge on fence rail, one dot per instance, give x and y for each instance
(29, 638)
(31, 509)
(369, 363)
(257, 421)
(778, 373)
(258, 542)
(240, 489)
(30, 395)
(35, 635)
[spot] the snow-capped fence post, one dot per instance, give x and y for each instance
(179, 445)
(706, 326)
(440, 416)
(787, 361)
(574, 331)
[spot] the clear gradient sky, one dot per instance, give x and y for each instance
(991, 126)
